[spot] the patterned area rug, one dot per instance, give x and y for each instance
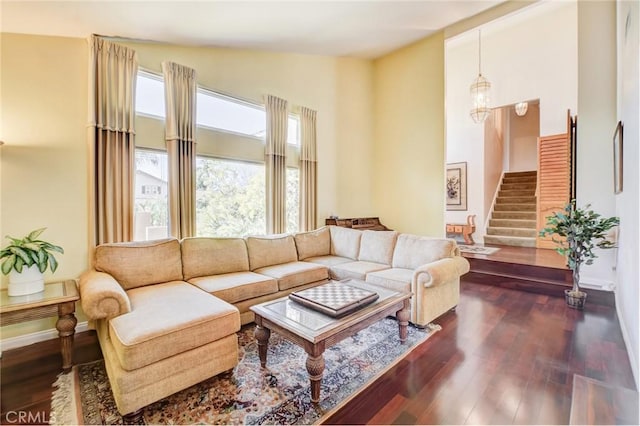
(277, 394)
(477, 249)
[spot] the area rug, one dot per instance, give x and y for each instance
(477, 249)
(276, 394)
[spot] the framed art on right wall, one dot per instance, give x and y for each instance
(617, 159)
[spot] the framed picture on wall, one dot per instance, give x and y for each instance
(456, 190)
(617, 159)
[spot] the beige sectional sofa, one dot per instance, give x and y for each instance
(167, 312)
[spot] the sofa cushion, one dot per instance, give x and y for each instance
(345, 242)
(149, 333)
(236, 286)
(294, 274)
(313, 243)
(328, 260)
(377, 246)
(413, 251)
(212, 256)
(267, 251)
(357, 270)
(136, 264)
(398, 279)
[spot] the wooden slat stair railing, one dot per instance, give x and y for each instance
(554, 169)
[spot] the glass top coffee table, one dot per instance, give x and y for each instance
(315, 331)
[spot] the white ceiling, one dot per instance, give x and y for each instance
(338, 28)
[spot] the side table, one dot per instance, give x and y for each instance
(58, 298)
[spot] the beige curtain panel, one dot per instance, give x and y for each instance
(308, 170)
(180, 133)
(113, 71)
(275, 164)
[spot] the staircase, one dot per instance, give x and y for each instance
(513, 220)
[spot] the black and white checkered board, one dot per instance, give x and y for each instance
(335, 295)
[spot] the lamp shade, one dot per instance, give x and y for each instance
(480, 91)
(521, 108)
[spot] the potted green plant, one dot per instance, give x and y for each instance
(580, 231)
(25, 260)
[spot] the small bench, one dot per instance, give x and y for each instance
(464, 229)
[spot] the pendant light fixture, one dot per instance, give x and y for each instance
(480, 89)
(521, 108)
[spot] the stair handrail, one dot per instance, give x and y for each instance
(493, 203)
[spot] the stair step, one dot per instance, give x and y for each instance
(510, 241)
(515, 200)
(513, 223)
(515, 207)
(516, 174)
(523, 179)
(514, 215)
(517, 193)
(507, 186)
(511, 232)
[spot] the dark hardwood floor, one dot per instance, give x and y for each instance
(504, 357)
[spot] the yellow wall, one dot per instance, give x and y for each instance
(409, 150)
(44, 158)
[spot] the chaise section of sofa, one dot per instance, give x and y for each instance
(158, 333)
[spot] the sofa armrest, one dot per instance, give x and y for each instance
(101, 296)
(441, 271)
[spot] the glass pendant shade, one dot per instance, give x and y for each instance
(480, 91)
(521, 108)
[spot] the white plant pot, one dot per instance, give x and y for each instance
(29, 281)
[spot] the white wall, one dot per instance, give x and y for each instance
(596, 124)
(627, 273)
(531, 54)
(523, 139)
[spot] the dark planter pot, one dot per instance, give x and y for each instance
(575, 300)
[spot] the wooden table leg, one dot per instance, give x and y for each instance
(403, 321)
(315, 368)
(66, 326)
(262, 335)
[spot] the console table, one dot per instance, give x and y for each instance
(372, 223)
(57, 299)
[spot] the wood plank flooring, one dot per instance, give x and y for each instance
(504, 357)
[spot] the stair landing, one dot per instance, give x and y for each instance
(534, 270)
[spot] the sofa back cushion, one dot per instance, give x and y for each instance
(313, 243)
(271, 250)
(137, 264)
(413, 251)
(377, 246)
(202, 257)
(345, 242)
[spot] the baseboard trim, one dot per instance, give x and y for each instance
(38, 336)
(627, 343)
(596, 283)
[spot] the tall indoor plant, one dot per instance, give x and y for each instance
(580, 230)
(25, 260)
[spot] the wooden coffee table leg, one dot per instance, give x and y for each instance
(262, 335)
(66, 326)
(315, 368)
(403, 321)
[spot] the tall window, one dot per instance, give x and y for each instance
(151, 196)
(230, 195)
(293, 199)
(230, 198)
(150, 94)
